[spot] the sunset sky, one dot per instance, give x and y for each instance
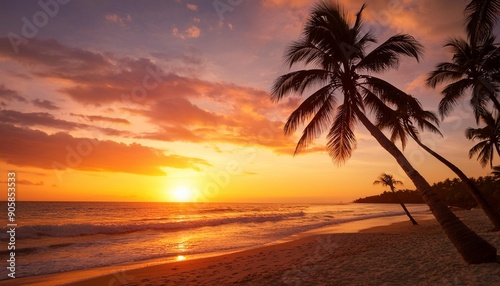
(132, 100)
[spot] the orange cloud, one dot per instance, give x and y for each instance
(191, 32)
(37, 119)
(292, 3)
(26, 183)
(99, 118)
(177, 105)
(60, 151)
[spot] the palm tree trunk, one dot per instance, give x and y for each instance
(490, 212)
(471, 246)
(413, 221)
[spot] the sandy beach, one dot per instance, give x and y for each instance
(398, 254)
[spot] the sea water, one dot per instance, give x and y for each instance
(62, 236)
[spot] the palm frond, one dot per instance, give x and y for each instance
(305, 52)
(328, 28)
(479, 100)
(481, 17)
(444, 72)
(387, 54)
(308, 108)
(489, 136)
(321, 121)
(387, 92)
(460, 48)
(484, 152)
(452, 93)
(297, 82)
(341, 138)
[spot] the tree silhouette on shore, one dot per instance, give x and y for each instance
(389, 181)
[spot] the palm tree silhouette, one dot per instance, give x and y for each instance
(490, 139)
(481, 17)
(389, 181)
(473, 67)
(400, 123)
(475, 63)
(336, 47)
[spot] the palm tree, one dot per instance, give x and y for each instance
(342, 70)
(476, 61)
(473, 67)
(490, 139)
(389, 181)
(400, 123)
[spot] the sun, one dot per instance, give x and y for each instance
(181, 194)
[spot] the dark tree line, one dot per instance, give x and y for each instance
(452, 191)
(407, 196)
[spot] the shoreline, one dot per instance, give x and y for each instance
(84, 274)
(308, 256)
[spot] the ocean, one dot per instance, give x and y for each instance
(54, 237)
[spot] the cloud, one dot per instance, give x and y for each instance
(99, 118)
(37, 119)
(408, 16)
(308, 150)
(27, 147)
(102, 79)
(50, 58)
(44, 119)
(45, 104)
(9, 94)
(29, 183)
(292, 3)
(121, 20)
(192, 7)
(171, 134)
(192, 32)
(26, 183)
(179, 111)
(182, 108)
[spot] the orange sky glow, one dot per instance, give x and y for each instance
(169, 101)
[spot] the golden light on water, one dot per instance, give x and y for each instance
(181, 257)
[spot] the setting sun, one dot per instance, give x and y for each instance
(181, 194)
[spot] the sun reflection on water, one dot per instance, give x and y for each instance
(181, 257)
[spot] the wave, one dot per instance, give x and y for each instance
(30, 250)
(73, 230)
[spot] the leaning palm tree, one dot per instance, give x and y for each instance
(388, 180)
(489, 137)
(400, 122)
(342, 72)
